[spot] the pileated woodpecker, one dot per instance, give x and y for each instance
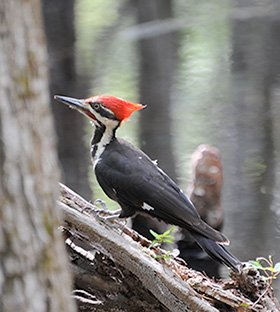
(128, 176)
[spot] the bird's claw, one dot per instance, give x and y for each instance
(105, 215)
(102, 203)
(111, 218)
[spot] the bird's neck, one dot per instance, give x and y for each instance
(103, 136)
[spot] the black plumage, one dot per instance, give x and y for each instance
(128, 176)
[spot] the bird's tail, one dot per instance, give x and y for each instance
(217, 252)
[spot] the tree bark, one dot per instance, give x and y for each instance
(115, 269)
(33, 275)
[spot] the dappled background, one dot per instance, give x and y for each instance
(209, 72)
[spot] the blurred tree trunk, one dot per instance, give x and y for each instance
(33, 273)
(73, 152)
(249, 153)
(157, 62)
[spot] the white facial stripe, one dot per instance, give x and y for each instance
(105, 140)
(107, 114)
(109, 123)
(107, 127)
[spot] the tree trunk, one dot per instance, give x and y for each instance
(157, 62)
(249, 152)
(32, 268)
(73, 152)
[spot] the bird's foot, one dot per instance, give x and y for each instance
(102, 203)
(107, 216)
(104, 210)
(103, 214)
(111, 218)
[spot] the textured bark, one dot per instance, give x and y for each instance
(114, 270)
(33, 274)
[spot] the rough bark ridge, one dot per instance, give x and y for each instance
(116, 271)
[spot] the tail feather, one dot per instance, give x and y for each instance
(217, 252)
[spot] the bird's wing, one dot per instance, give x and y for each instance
(130, 177)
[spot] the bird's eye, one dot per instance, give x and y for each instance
(95, 105)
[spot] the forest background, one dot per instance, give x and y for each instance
(209, 73)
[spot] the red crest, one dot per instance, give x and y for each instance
(120, 107)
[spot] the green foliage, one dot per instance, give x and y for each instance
(160, 238)
(164, 256)
(267, 267)
(163, 238)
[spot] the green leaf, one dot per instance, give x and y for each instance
(168, 231)
(168, 241)
(244, 304)
(256, 264)
(170, 236)
(164, 256)
(152, 244)
(156, 235)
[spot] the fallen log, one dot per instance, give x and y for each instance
(115, 270)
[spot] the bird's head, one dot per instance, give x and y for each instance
(102, 108)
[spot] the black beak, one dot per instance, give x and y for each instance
(77, 104)
(69, 101)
